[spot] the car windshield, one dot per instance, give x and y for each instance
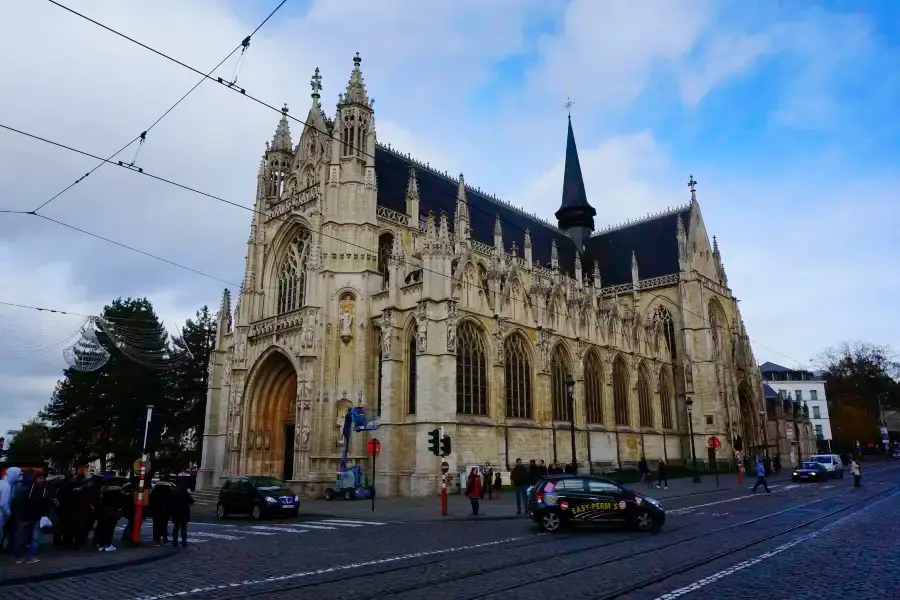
(811, 465)
(825, 460)
(268, 484)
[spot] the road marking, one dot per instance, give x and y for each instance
(281, 529)
(217, 536)
(338, 521)
(248, 532)
(690, 509)
(701, 583)
(310, 526)
(328, 570)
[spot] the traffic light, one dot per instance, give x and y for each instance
(434, 441)
(445, 445)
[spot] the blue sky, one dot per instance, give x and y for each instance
(785, 112)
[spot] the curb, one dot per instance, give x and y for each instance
(77, 571)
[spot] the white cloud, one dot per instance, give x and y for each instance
(725, 57)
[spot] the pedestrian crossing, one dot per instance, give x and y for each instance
(202, 532)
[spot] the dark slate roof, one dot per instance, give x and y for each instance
(768, 392)
(770, 367)
(652, 239)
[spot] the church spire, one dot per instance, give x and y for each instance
(575, 214)
(281, 141)
(356, 87)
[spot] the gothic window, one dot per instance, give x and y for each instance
(717, 329)
(665, 398)
(482, 275)
(471, 371)
(385, 246)
(593, 388)
(668, 329)
(292, 273)
(353, 136)
(620, 391)
(310, 179)
(518, 377)
(277, 170)
(645, 397)
(559, 373)
(411, 377)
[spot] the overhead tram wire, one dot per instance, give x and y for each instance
(271, 107)
(282, 219)
(142, 137)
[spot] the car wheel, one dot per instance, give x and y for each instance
(551, 521)
(256, 512)
(644, 521)
(329, 494)
(221, 512)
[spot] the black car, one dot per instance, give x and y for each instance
(257, 496)
(560, 500)
(811, 471)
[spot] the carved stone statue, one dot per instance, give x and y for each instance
(308, 336)
(267, 438)
(348, 305)
(346, 324)
(303, 438)
(236, 440)
(452, 321)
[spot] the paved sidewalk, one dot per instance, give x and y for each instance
(56, 563)
(429, 508)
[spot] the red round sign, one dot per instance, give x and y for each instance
(373, 447)
(713, 442)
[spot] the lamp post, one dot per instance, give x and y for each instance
(690, 412)
(570, 391)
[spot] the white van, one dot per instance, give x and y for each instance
(831, 462)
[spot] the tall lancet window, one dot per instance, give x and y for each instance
(292, 273)
(411, 376)
(645, 397)
(620, 391)
(471, 371)
(665, 398)
(593, 387)
(385, 245)
(518, 377)
(559, 373)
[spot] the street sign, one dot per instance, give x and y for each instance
(445, 467)
(373, 447)
(137, 467)
(714, 443)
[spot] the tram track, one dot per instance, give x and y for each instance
(540, 539)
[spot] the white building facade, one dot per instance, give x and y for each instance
(805, 387)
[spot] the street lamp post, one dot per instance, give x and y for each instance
(884, 436)
(570, 391)
(690, 412)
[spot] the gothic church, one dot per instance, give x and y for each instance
(375, 280)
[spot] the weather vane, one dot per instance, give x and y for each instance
(569, 102)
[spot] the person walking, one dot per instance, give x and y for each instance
(520, 479)
(761, 476)
(854, 470)
(181, 514)
(160, 502)
(7, 485)
(30, 504)
(644, 470)
(661, 477)
(473, 489)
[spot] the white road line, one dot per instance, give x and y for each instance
(350, 521)
(310, 526)
(218, 536)
(248, 532)
(336, 569)
(339, 524)
(690, 509)
(701, 583)
(281, 529)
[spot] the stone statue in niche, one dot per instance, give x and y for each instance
(348, 305)
(303, 438)
(340, 415)
(236, 440)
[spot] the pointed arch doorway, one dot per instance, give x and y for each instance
(272, 426)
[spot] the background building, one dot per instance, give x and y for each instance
(804, 387)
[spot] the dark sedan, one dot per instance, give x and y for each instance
(562, 500)
(810, 471)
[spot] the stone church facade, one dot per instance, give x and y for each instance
(374, 280)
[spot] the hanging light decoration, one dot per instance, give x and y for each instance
(86, 354)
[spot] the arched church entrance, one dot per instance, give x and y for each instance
(751, 434)
(272, 418)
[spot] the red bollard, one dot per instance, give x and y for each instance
(139, 505)
(740, 472)
(443, 495)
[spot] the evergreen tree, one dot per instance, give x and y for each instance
(31, 445)
(190, 380)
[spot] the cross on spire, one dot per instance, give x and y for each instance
(692, 183)
(316, 82)
(569, 102)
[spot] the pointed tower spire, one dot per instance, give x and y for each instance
(498, 234)
(528, 257)
(597, 282)
(575, 214)
(635, 277)
(578, 270)
(462, 212)
(281, 141)
(356, 87)
(412, 197)
(554, 256)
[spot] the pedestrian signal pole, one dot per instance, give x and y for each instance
(139, 502)
(445, 470)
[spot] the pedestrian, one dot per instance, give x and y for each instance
(498, 485)
(486, 482)
(7, 485)
(761, 476)
(110, 510)
(534, 472)
(854, 470)
(31, 502)
(160, 502)
(181, 514)
(520, 479)
(62, 527)
(644, 470)
(473, 489)
(777, 464)
(542, 469)
(661, 477)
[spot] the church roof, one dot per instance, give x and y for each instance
(652, 239)
(768, 392)
(770, 367)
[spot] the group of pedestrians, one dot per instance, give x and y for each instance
(70, 507)
(662, 478)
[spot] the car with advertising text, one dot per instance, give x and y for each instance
(559, 501)
(810, 471)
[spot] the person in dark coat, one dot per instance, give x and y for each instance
(160, 504)
(32, 502)
(63, 528)
(109, 513)
(534, 472)
(520, 479)
(180, 508)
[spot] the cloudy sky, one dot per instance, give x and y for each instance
(785, 112)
